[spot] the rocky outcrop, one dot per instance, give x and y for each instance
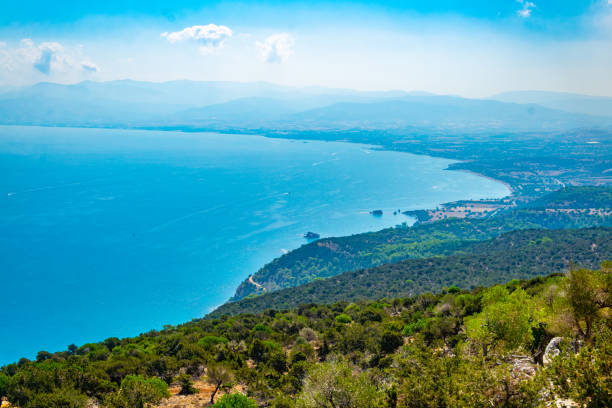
(552, 350)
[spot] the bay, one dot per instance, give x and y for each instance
(109, 232)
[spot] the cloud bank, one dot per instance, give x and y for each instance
(211, 36)
(276, 48)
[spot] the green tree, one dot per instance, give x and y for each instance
(186, 384)
(507, 318)
(333, 385)
(587, 293)
(218, 375)
(137, 391)
(4, 384)
(390, 341)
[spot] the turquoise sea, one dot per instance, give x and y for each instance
(115, 232)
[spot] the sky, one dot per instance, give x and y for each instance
(473, 48)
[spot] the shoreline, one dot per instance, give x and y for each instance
(512, 189)
(200, 313)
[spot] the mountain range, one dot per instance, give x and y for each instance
(192, 105)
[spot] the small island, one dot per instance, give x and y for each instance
(311, 235)
(377, 213)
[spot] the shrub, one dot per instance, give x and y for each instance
(209, 341)
(235, 401)
(390, 341)
(137, 391)
(343, 318)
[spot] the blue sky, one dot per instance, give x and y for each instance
(471, 48)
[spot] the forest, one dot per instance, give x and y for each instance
(521, 254)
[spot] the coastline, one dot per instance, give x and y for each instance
(357, 227)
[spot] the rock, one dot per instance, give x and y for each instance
(523, 366)
(552, 350)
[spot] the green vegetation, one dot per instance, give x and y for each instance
(455, 348)
(235, 401)
(332, 256)
(515, 255)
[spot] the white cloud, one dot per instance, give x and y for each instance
(89, 66)
(527, 8)
(276, 48)
(29, 61)
(2, 44)
(211, 36)
(49, 53)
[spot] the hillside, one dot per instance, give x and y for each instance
(514, 255)
(332, 256)
(513, 345)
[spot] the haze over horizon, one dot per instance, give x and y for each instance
(473, 49)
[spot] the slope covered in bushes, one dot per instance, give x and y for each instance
(524, 343)
(519, 254)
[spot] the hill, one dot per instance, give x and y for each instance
(514, 255)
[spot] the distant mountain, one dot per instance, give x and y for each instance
(576, 103)
(446, 112)
(135, 103)
(261, 110)
(233, 106)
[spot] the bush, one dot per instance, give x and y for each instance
(235, 401)
(343, 318)
(209, 341)
(137, 391)
(59, 399)
(390, 342)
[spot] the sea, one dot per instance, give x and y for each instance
(113, 233)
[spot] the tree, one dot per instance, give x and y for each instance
(333, 385)
(186, 384)
(72, 348)
(506, 318)
(218, 375)
(390, 341)
(137, 391)
(42, 356)
(235, 401)
(4, 384)
(587, 293)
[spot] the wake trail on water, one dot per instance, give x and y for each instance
(210, 209)
(53, 187)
